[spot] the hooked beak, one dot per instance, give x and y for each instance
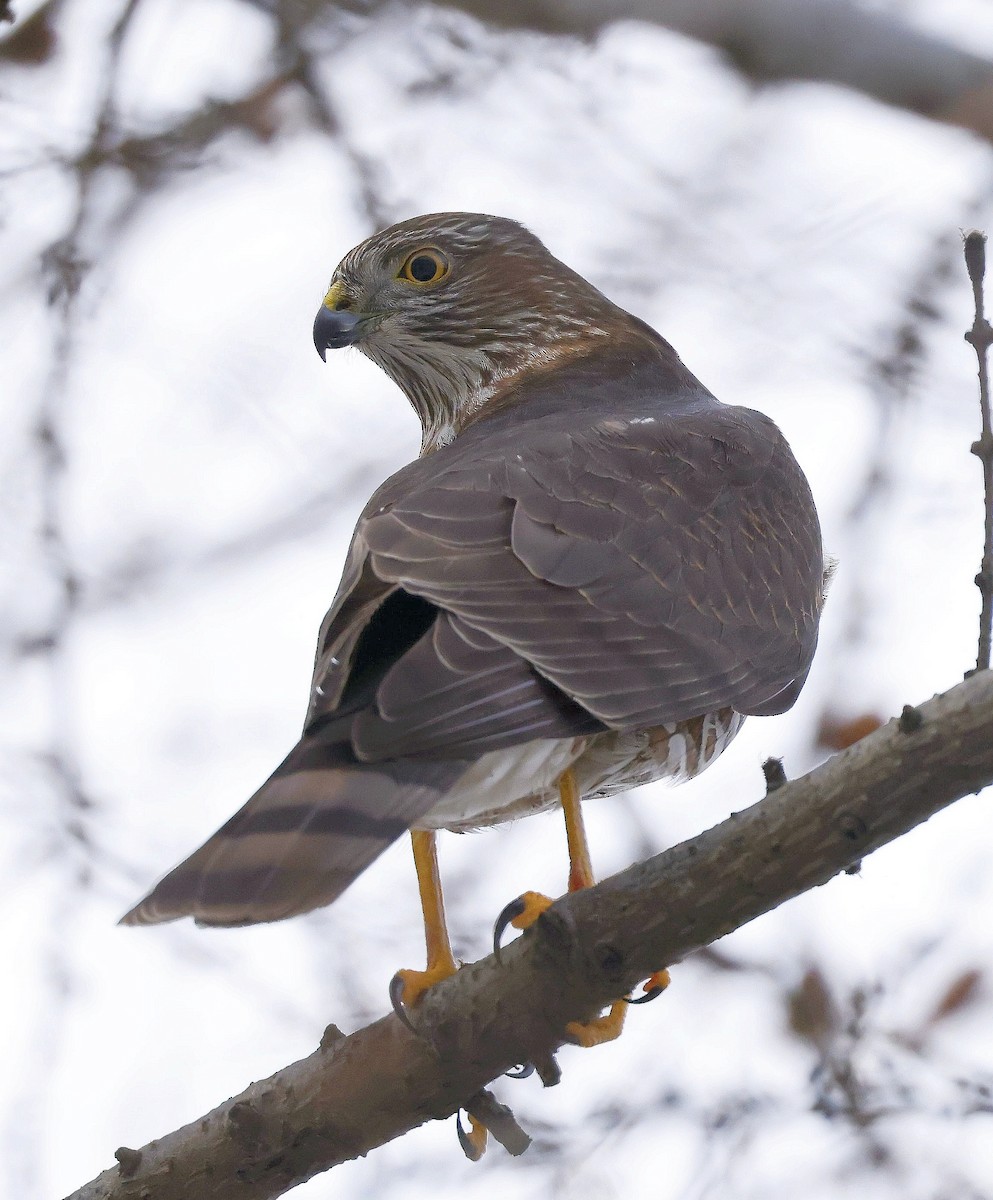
(332, 330)
(336, 326)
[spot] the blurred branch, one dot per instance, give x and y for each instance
(152, 156)
(980, 337)
(830, 41)
(893, 367)
(356, 1093)
(64, 266)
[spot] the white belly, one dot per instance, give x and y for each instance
(519, 780)
(505, 784)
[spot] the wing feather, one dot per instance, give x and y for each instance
(554, 572)
(651, 570)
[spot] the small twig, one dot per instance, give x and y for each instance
(775, 774)
(980, 337)
(500, 1122)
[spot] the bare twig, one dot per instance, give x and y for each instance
(358, 1092)
(980, 337)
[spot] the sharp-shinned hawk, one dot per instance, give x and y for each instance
(592, 573)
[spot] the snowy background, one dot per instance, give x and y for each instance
(179, 474)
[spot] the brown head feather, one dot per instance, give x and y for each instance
(504, 306)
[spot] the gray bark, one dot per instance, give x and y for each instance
(355, 1093)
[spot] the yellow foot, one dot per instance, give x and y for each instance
(528, 908)
(409, 986)
(473, 1143)
(603, 1029)
(520, 913)
(609, 1026)
(653, 986)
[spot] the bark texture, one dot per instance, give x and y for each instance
(355, 1093)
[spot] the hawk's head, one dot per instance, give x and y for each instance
(454, 305)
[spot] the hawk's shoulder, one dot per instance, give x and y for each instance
(672, 537)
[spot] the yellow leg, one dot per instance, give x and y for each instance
(580, 867)
(609, 1026)
(441, 961)
(533, 904)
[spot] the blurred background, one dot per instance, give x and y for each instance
(778, 186)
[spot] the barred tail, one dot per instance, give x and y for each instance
(312, 828)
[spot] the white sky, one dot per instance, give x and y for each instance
(772, 236)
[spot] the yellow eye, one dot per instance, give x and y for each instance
(425, 266)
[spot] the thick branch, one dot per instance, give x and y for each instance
(358, 1092)
(834, 41)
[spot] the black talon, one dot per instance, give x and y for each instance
(651, 994)
(396, 999)
(520, 1072)
(472, 1152)
(509, 913)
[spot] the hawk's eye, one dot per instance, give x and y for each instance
(425, 266)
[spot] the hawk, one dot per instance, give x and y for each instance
(591, 575)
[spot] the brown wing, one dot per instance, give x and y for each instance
(651, 565)
(555, 571)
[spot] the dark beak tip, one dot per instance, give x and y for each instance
(334, 329)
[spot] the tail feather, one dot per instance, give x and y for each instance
(313, 827)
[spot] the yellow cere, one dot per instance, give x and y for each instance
(336, 293)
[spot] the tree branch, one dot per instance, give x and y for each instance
(355, 1093)
(980, 337)
(832, 41)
